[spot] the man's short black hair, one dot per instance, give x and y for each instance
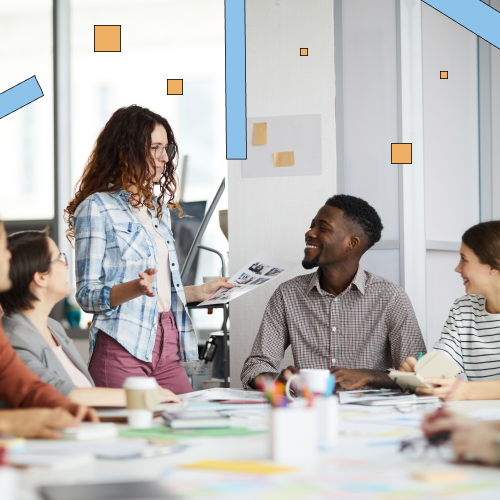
(360, 213)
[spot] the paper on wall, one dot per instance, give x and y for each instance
(263, 268)
(259, 134)
(284, 159)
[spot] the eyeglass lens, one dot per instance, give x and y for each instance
(170, 151)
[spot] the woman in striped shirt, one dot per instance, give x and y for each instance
(471, 334)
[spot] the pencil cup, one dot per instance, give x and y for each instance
(293, 435)
(327, 418)
(142, 400)
(9, 483)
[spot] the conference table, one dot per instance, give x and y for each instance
(365, 462)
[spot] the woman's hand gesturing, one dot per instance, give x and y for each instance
(146, 281)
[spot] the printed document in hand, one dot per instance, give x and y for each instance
(434, 364)
(261, 269)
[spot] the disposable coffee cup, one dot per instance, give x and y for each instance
(142, 400)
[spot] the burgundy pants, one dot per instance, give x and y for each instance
(111, 363)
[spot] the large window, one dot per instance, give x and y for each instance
(160, 40)
(26, 135)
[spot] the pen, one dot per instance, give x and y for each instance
(419, 356)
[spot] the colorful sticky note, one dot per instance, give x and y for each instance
(174, 87)
(284, 159)
(107, 38)
(19, 96)
(401, 153)
(304, 52)
(259, 134)
(442, 476)
(244, 467)
(443, 75)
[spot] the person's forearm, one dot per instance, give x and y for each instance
(489, 389)
(124, 292)
(381, 380)
(252, 383)
(193, 294)
(99, 396)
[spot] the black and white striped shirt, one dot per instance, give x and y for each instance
(471, 336)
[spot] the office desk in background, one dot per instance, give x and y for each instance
(363, 464)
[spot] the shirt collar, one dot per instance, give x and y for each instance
(126, 195)
(359, 281)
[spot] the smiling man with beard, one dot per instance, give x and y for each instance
(340, 317)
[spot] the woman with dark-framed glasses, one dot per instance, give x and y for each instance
(38, 272)
(127, 272)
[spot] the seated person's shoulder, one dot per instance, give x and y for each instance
(468, 303)
(296, 285)
(383, 287)
(18, 329)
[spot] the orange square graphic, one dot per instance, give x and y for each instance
(401, 153)
(174, 87)
(107, 38)
(303, 52)
(443, 75)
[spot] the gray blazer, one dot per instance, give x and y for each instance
(37, 354)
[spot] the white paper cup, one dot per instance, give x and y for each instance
(142, 400)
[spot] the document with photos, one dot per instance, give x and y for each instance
(261, 269)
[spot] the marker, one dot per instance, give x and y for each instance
(419, 356)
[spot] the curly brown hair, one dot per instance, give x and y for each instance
(121, 159)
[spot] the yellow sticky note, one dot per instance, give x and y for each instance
(239, 466)
(259, 134)
(285, 159)
(440, 476)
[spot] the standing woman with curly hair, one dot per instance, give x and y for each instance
(127, 272)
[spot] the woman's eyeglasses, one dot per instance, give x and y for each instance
(158, 150)
(62, 258)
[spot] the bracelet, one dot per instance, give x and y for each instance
(497, 447)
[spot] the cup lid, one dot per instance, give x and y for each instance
(140, 383)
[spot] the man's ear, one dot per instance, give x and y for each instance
(354, 243)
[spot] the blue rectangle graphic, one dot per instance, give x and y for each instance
(236, 109)
(18, 96)
(474, 15)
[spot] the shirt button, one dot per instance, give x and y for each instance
(173, 264)
(156, 226)
(334, 328)
(177, 285)
(336, 299)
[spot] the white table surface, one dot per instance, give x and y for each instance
(369, 474)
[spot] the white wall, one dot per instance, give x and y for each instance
(451, 155)
(272, 214)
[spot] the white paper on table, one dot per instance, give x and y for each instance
(223, 394)
(262, 269)
(485, 414)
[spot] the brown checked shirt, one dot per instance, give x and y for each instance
(370, 325)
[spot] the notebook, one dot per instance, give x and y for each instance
(196, 420)
(434, 364)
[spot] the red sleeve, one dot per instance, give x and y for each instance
(20, 387)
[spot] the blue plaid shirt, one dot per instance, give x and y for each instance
(112, 246)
